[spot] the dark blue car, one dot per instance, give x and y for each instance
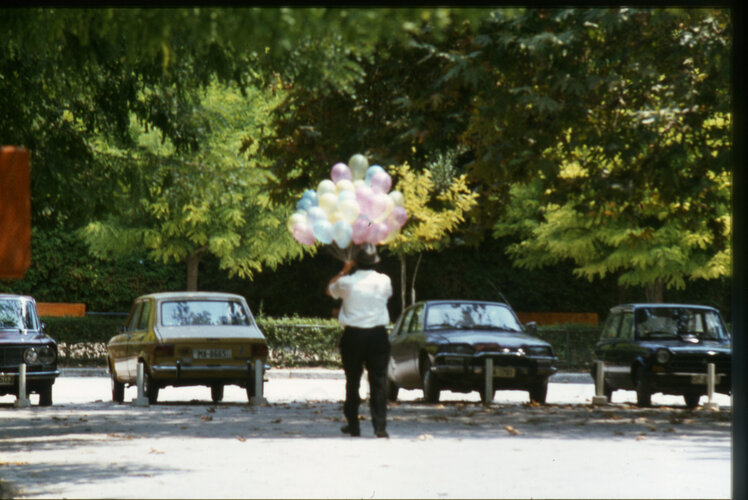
(664, 348)
(444, 344)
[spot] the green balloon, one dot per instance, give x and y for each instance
(358, 165)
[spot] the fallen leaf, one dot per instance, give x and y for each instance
(511, 430)
(211, 409)
(154, 451)
(241, 439)
(206, 418)
(276, 421)
(425, 437)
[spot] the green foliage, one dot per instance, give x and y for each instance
(63, 271)
(574, 345)
(210, 200)
(298, 341)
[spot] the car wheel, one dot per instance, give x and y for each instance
(216, 393)
(692, 400)
(538, 392)
(392, 390)
(150, 388)
(608, 392)
(45, 395)
(118, 390)
(431, 388)
(643, 391)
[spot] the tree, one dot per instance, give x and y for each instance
(179, 205)
(436, 201)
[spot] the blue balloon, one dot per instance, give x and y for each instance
(303, 205)
(322, 230)
(371, 171)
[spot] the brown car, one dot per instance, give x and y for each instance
(187, 339)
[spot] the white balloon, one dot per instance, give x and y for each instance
(325, 186)
(358, 165)
(397, 198)
(344, 185)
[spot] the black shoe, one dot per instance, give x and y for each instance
(382, 434)
(347, 429)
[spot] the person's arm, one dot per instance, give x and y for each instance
(347, 266)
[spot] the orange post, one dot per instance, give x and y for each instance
(15, 212)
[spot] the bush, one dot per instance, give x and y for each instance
(573, 344)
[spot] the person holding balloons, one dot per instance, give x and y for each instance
(364, 316)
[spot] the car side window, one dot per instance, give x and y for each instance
(144, 315)
(626, 332)
(610, 328)
(416, 324)
(402, 327)
(134, 317)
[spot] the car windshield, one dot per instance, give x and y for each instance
(203, 312)
(679, 322)
(15, 314)
(467, 316)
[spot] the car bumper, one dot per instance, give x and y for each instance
(686, 382)
(508, 371)
(34, 379)
(180, 374)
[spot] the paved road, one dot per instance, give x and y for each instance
(187, 447)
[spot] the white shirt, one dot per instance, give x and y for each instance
(365, 294)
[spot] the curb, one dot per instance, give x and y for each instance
(319, 373)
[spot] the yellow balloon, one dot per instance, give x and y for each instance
(325, 186)
(397, 198)
(328, 202)
(349, 209)
(344, 185)
(297, 218)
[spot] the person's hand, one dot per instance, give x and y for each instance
(347, 266)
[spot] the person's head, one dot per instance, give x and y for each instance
(367, 257)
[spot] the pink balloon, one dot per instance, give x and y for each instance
(378, 232)
(381, 182)
(339, 172)
(303, 233)
(360, 230)
(397, 218)
(379, 204)
(364, 196)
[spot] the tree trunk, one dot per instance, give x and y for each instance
(403, 281)
(413, 281)
(193, 263)
(654, 292)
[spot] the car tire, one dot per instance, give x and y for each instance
(538, 392)
(216, 393)
(392, 390)
(608, 392)
(150, 388)
(45, 395)
(692, 399)
(643, 391)
(431, 390)
(118, 390)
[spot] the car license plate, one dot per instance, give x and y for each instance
(211, 354)
(6, 379)
(700, 379)
(504, 371)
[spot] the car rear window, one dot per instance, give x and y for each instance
(203, 312)
(667, 322)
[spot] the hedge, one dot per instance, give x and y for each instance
(293, 341)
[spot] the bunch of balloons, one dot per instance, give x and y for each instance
(354, 206)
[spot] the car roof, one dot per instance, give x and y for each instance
(191, 295)
(15, 296)
(654, 305)
(460, 301)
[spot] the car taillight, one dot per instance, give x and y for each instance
(259, 350)
(164, 351)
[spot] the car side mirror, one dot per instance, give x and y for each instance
(531, 327)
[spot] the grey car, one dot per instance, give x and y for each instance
(444, 344)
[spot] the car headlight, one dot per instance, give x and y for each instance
(47, 355)
(662, 356)
(31, 356)
(538, 351)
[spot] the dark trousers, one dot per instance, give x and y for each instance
(368, 347)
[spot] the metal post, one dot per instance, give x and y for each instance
(488, 397)
(141, 400)
(22, 401)
(710, 382)
(600, 398)
(259, 382)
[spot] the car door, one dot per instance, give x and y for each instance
(397, 337)
(412, 343)
(622, 353)
(138, 337)
(606, 347)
